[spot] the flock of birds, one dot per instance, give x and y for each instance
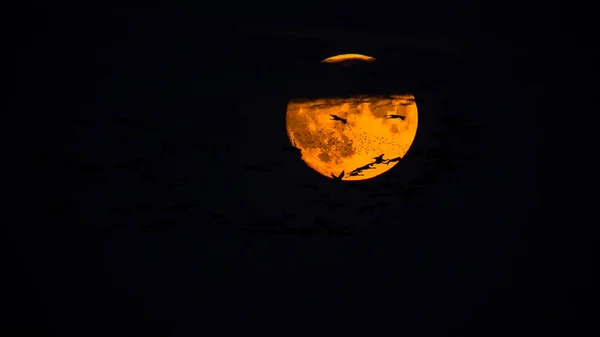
(383, 193)
(370, 166)
(345, 121)
(378, 194)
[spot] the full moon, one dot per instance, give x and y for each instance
(362, 136)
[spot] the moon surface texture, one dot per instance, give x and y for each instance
(347, 134)
(345, 58)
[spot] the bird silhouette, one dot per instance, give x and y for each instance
(338, 118)
(355, 174)
(397, 159)
(394, 116)
(379, 159)
(338, 178)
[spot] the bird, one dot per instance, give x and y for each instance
(338, 118)
(394, 116)
(379, 159)
(366, 167)
(338, 178)
(397, 159)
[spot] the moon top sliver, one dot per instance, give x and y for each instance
(361, 130)
(348, 59)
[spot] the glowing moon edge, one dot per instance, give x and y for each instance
(348, 57)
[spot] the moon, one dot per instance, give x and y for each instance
(348, 58)
(366, 128)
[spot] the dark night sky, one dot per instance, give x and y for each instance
(458, 260)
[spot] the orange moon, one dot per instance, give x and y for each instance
(365, 129)
(348, 57)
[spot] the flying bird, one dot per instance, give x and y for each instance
(379, 159)
(394, 116)
(397, 159)
(338, 178)
(338, 118)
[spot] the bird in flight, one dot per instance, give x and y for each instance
(394, 116)
(379, 159)
(366, 167)
(339, 178)
(393, 160)
(338, 118)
